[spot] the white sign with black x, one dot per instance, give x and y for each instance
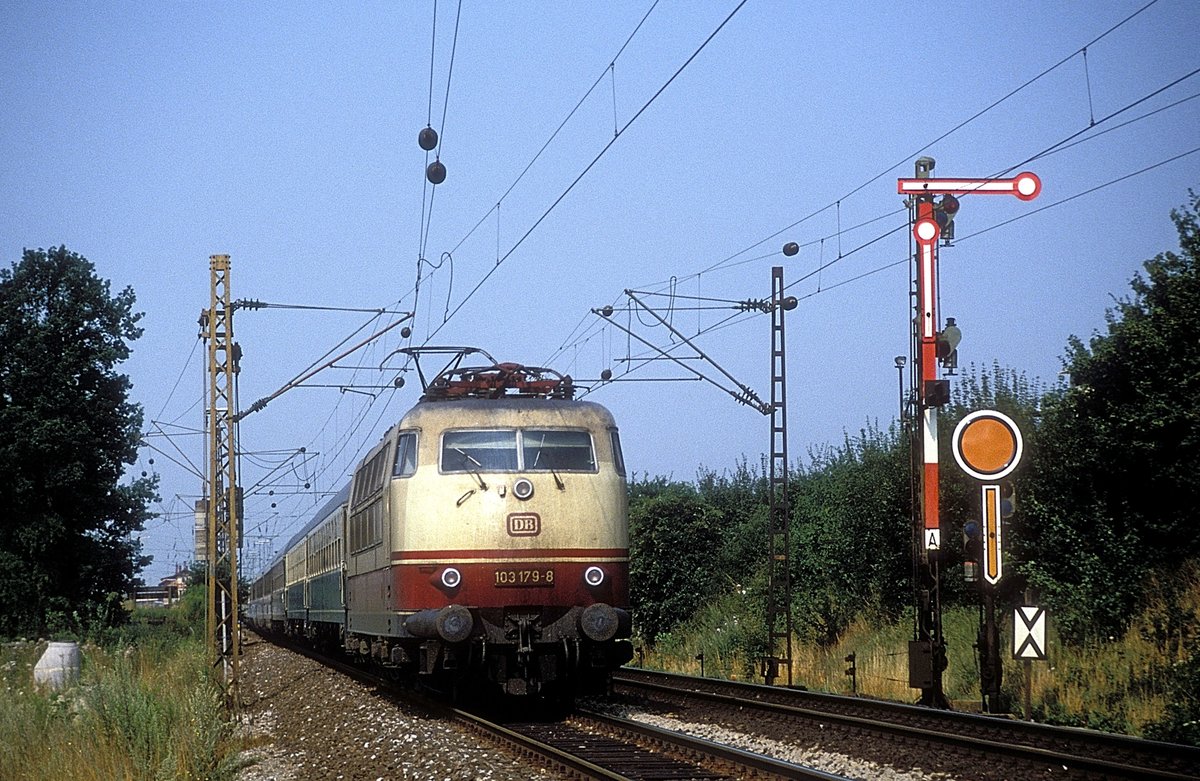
(1029, 633)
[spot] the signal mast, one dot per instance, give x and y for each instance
(933, 349)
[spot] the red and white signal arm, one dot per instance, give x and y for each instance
(987, 445)
(1025, 185)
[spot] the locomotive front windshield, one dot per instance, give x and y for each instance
(521, 450)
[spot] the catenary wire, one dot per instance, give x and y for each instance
(585, 171)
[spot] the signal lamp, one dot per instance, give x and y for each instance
(937, 393)
(1008, 498)
(944, 213)
(593, 576)
(973, 550)
(948, 340)
(947, 345)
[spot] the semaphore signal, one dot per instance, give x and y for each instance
(930, 221)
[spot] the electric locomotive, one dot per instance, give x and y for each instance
(484, 539)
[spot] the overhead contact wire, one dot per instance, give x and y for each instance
(588, 168)
(558, 130)
(943, 136)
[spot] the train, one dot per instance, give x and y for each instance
(481, 545)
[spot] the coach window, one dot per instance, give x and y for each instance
(564, 451)
(406, 455)
(479, 451)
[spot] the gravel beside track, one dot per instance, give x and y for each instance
(307, 722)
(796, 751)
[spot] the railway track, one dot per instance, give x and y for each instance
(590, 745)
(964, 744)
(593, 746)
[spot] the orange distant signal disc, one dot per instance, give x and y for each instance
(987, 444)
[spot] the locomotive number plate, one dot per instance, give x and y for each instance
(524, 578)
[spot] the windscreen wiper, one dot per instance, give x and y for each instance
(557, 480)
(467, 457)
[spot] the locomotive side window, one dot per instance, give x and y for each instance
(366, 523)
(369, 478)
(479, 451)
(551, 450)
(406, 455)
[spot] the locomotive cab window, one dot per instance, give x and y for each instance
(563, 451)
(526, 450)
(406, 455)
(479, 451)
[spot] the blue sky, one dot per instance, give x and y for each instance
(149, 136)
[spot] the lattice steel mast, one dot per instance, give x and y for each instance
(224, 521)
(779, 586)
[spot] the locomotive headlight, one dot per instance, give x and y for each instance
(451, 578)
(523, 489)
(593, 576)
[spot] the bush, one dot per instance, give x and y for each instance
(1181, 721)
(144, 708)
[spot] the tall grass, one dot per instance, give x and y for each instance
(1119, 684)
(141, 710)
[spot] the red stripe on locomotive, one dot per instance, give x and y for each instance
(509, 582)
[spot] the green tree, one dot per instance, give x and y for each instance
(67, 554)
(851, 538)
(1116, 480)
(742, 499)
(675, 540)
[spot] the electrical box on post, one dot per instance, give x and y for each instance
(920, 664)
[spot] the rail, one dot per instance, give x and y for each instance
(1080, 751)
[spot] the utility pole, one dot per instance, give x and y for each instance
(222, 490)
(931, 346)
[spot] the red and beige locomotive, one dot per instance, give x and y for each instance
(485, 538)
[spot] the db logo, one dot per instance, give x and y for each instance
(524, 524)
